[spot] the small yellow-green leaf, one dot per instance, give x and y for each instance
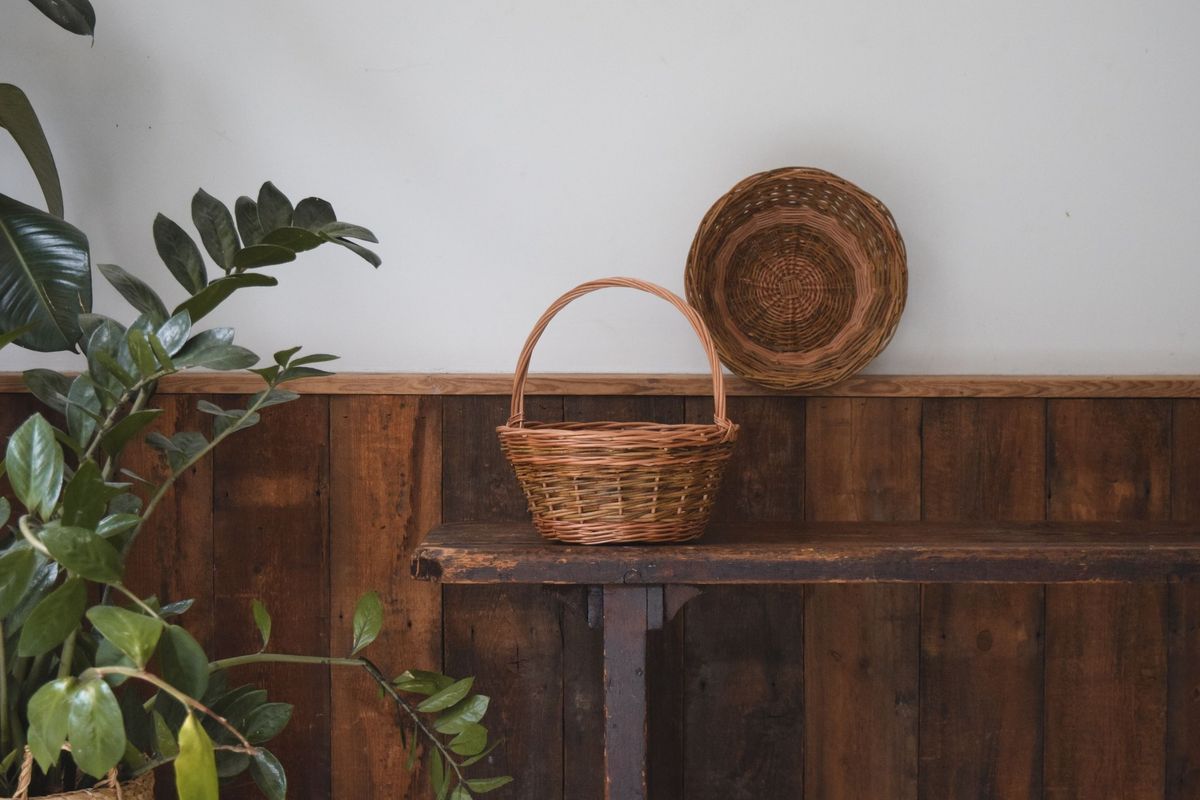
(482, 785)
(447, 697)
(196, 765)
(368, 620)
(262, 618)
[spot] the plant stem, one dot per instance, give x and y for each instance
(120, 587)
(110, 464)
(185, 700)
(370, 668)
(68, 655)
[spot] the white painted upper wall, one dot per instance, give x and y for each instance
(1041, 158)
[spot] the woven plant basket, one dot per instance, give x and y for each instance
(140, 788)
(800, 275)
(618, 482)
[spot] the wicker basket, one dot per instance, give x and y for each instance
(801, 277)
(139, 788)
(618, 482)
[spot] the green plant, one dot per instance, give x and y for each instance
(122, 682)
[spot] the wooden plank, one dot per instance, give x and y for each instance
(625, 693)
(629, 384)
(981, 645)
(744, 656)
(173, 557)
(772, 553)
(862, 644)
(385, 493)
(271, 542)
(1106, 646)
(1183, 655)
(583, 722)
(509, 638)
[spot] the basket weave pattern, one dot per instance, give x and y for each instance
(613, 482)
(139, 788)
(800, 275)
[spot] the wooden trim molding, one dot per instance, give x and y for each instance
(632, 384)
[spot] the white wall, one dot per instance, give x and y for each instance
(1040, 156)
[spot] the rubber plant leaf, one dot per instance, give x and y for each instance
(76, 16)
(45, 276)
(19, 119)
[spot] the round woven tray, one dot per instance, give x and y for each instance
(801, 277)
(618, 482)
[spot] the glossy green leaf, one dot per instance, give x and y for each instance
(483, 785)
(283, 356)
(297, 240)
(179, 252)
(345, 230)
(470, 741)
(48, 711)
(219, 290)
(266, 721)
(180, 448)
(196, 766)
(438, 776)
(76, 16)
(268, 775)
(246, 212)
(273, 397)
(136, 291)
(462, 714)
(184, 662)
(313, 358)
(312, 213)
(48, 386)
(231, 764)
(94, 728)
(262, 619)
(143, 356)
(368, 621)
(262, 255)
(87, 496)
(34, 460)
(447, 697)
(19, 119)
(240, 704)
(205, 340)
(40, 586)
(83, 409)
(83, 552)
(370, 256)
(460, 793)
(419, 681)
(466, 762)
(116, 524)
(217, 231)
(131, 425)
(274, 209)
(176, 609)
(17, 568)
(135, 634)
(10, 336)
(173, 334)
(45, 276)
(164, 742)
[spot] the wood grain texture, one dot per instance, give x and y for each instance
(1183, 654)
(744, 646)
(628, 384)
(1105, 721)
(981, 646)
(385, 494)
(862, 643)
(625, 723)
(583, 723)
(271, 542)
(173, 557)
(509, 638)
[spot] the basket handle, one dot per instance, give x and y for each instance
(25, 778)
(714, 363)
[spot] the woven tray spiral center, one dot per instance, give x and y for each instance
(788, 289)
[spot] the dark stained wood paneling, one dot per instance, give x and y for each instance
(271, 541)
(385, 494)
(173, 557)
(510, 639)
(744, 657)
(1183, 667)
(1106, 645)
(862, 643)
(981, 646)
(583, 720)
